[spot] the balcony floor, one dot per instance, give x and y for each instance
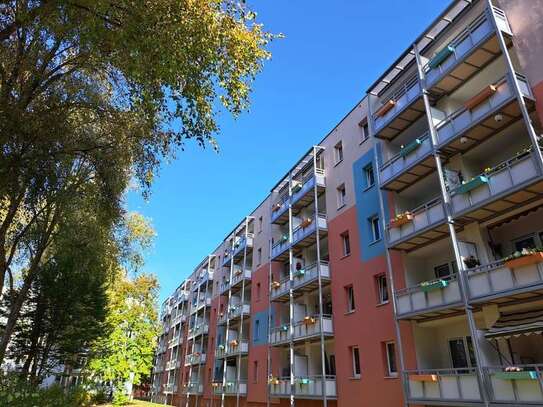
(411, 175)
(409, 115)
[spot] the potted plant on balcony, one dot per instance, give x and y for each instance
(308, 320)
(304, 380)
(472, 184)
(516, 373)
(234, 343)
(471, 261)
(431, 285)
(276, 207)
(306, 222)
(526, 257)
(401, 219)
(296, 187)
(385, 108)
(405, 150)
(284, 328)
(275, 284)
(273, 380)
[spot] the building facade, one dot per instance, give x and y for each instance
(397, 262)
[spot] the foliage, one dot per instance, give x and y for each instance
(15, 392)
(126, 353)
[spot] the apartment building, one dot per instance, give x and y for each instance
(396, 263)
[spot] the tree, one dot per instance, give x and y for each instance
(125, 355)
(94, 92)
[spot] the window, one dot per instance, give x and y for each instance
(260, 222)
(259, 256)
(255, 371)
(374, 228)
(355, 355)
(338, 153)
(382, 289)
(349, 291)
(461, 352)
(341, 196)
(391, 368)
(527, 242)
(370, 176)
(258, 291)
(365, 130)
(346, 243)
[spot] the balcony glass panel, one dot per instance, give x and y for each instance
(523, 386)
(428, 295)
(424, 216)
(400, 162)
(443, 385)
(496, 181)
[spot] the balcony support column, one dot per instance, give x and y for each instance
(390, 272)
(516, 87)
(321, 321)
(452, 231)
(226, 311)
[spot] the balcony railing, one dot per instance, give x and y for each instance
(442, 385)
(173, 364)
(193, 388)
(232, 348)
(200, 329)
(303, 230)
(425, 216)
(230, 388)
(280, 288)
(302, 278)
(238, 275)
(407, 92)
(457, 123)
(175, 341)
(242, 243)
(196, 358)
(307, 328)
(498, 278)
(427, 296)
(170, 388)
(524, 387)
(279, 247)
(475, 34)
(279, 207)
(505, 177)
(304, 387)
(236, 311)
(307, 184)
(409, 156)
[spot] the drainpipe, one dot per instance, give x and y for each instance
(450, 223)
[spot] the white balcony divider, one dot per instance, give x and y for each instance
(475, 34)
(429, 295)
(406, 93)
(496, 278)
(428, 214)
(517, 388)
(458, 385)
(400, 162)
(505, 176)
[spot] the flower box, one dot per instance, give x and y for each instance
(297, 187)
(304, 380)
(401, 219)
(385, 108)
(480, 97)
(423, 377)
(299, 273)
(525, 260)
(308, 321)
(410, 147)
(471, 185)
(306, 222)
(440, 57)
(284, 328)
(276, 284)
(276, 207)
(523, 375)
(273, 380)
(433, 285)
(234, 343)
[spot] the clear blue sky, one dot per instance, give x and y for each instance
(332, 52)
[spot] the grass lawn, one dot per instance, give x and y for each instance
(137, 403)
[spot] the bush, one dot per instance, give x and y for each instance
(16, 392)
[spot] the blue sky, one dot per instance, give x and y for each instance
(331, 53)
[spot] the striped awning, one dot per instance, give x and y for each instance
(514, 324)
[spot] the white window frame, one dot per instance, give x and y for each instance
(338, 153)
(375, 229)
(346, 238)
(389, 371)
(382, 289)
(341, 195)
(351, 304)
(364, 127)
(367, 170)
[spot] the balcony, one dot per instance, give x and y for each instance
(203, 302)
(413, 162)
(222, 319)
(442, 386)
(304, 280)
(173, 364)
(310, 387)
(304, 234)
(503, 187)
(279, 251)
(200, 329)
(233, 348)
(239, 276)
(524, 387)
(468, 53)
(226, 258)
(230, 388)
(429, 299)
(280, 290)
(308, 329)
(193, 388)
(179, 318)
(505, 278)
(204, 276)
(196, 358)
(175, 341)
(244, 242)
(303, 190)
(235, 312)
(402, 109)
(170, 388)
(475, 120)
(279, 214)
(418, 226)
